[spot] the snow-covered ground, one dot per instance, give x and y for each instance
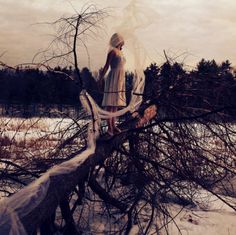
(211, 218)
(19, 128)
(25, 138)
(218, 219)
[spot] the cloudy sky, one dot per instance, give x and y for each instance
(186, 29)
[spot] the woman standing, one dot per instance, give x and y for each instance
(114, 90)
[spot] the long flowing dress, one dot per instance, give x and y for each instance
(114, 90)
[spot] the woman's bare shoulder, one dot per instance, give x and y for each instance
(113, 52)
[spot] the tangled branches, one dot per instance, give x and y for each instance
(70, 33)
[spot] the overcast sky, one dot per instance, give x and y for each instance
(196, 28)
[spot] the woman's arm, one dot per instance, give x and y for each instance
(110, 55)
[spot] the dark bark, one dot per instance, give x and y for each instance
(61, 185)
(106, 197)
(70, 228)
(48, 227)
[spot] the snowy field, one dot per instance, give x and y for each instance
(215, 218)
(26, 138)
(211, 217)
(20, 129)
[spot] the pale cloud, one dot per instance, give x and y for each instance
(201, 28)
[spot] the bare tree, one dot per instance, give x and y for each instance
(70, 33)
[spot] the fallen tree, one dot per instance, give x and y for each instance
(154, 161)
(61, 185)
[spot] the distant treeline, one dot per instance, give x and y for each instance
(29, 85)
(208, 85)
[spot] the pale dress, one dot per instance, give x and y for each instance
(114, 90)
